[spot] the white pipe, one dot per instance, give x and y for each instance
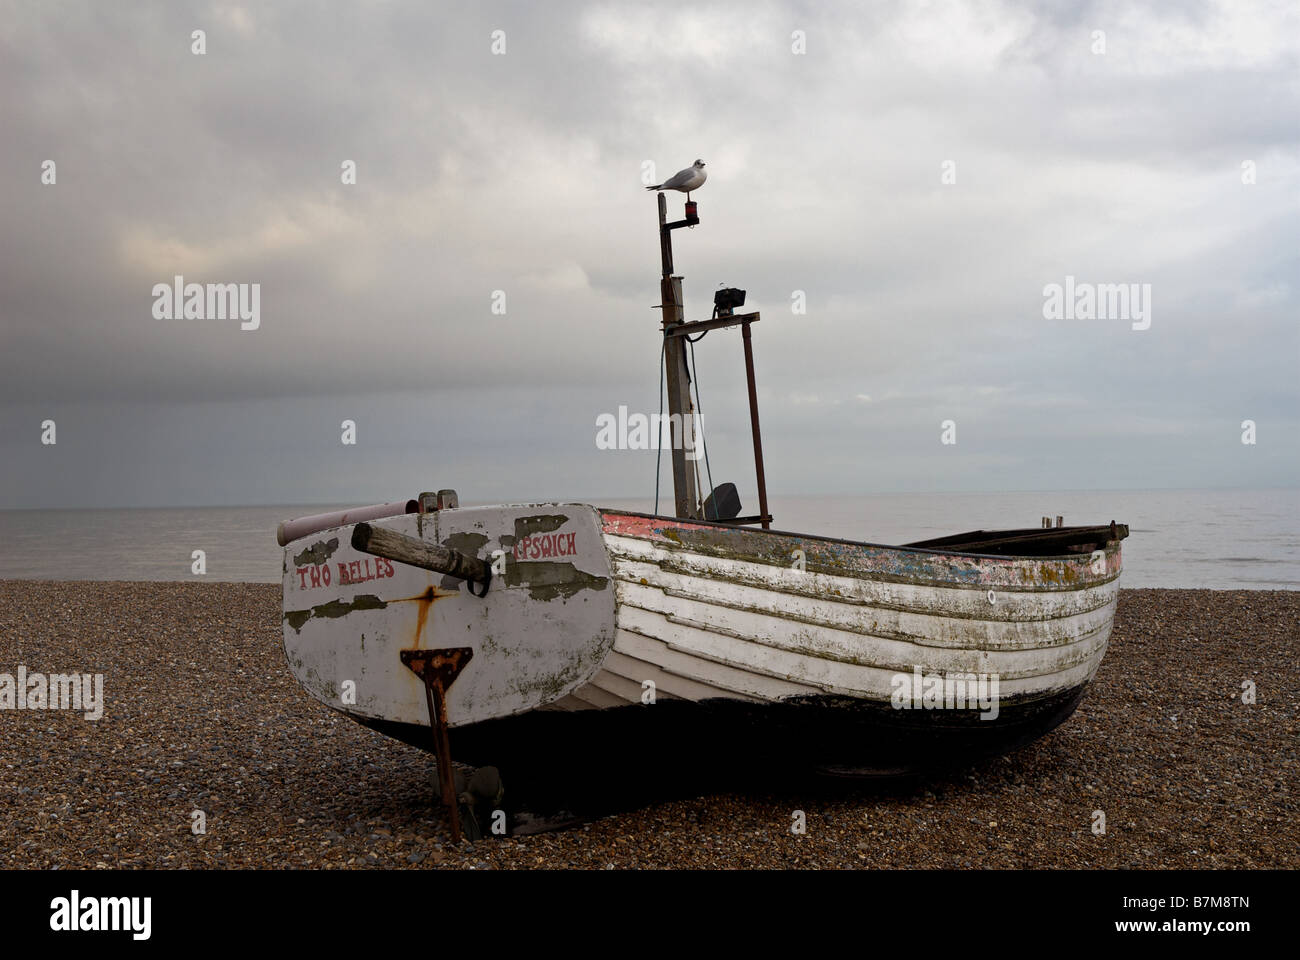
(291, 530)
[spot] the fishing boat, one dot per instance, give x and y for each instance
(540, 637)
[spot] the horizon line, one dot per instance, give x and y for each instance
(618, 497)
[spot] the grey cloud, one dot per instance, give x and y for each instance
(521, 173)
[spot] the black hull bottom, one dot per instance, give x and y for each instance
(592, 762)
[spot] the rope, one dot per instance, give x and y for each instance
(695, 379)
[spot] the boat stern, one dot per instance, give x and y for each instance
(541, 630)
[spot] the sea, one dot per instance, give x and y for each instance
(1200, 539)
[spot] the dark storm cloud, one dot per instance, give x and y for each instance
(521, 173)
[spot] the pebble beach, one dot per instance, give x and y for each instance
(204, 724)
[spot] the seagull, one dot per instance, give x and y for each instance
(692, 178)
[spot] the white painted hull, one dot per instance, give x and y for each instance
(699, 626)
(542, 631)
(609, 610)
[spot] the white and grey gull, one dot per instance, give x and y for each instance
(692, 178)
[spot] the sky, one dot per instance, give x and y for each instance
(897, 187)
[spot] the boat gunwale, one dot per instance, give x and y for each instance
(717, 525)
(876, 576)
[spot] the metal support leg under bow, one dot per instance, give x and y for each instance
(439, 670)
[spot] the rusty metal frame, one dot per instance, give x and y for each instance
(674, 330)
(439, 670)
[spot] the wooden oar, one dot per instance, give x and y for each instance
(382, 542)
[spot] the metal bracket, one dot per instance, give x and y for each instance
(439, 670)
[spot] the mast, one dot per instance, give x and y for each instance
(680, 408)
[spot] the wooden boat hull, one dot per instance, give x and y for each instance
(541, 632)
(613, 634)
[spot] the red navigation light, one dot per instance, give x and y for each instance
(692, 212)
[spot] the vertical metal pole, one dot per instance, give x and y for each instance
(665, 242)
(436, 698)
(753, 423)
(679, 379)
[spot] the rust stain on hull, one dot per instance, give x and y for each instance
(368, 601)
(424, 603)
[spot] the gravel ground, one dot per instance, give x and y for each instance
(202, 714)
